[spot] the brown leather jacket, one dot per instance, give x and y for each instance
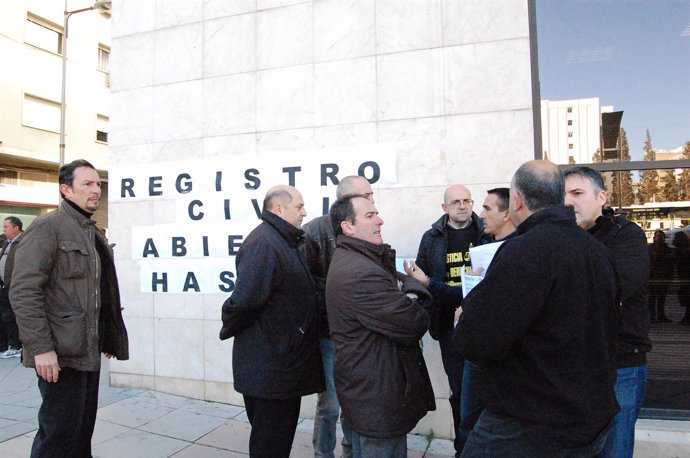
(65, 293)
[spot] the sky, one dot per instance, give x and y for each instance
(632, 54)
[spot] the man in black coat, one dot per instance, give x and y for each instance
(542, 324)
(584, 190)
(272, 315)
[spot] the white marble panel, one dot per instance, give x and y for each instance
(230, 104)
(345, 92)
(178, 150)
(178, 54)
(285, 140)
(422, 154)
(345, 134)
(230, 45)
(344, 29)
(170, 14)
(141, 348)
(182, 306)
(285, 36)
(410, 84)
(285, 98)
(131, 154)
(403, 229)
(133, 301)
(177, 111)
(131, 62)
(213, 303)
(229, 144)
(222, 8)
(217, 353)
(488, 147)
(406, 25)
(488, 77)
(266, 4)
(483, 21)
(133, 16)
(131, 117)
(179, 348)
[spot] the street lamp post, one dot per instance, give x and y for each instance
(101, 6)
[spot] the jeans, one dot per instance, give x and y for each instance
(471, 406)
(274, 422)
(496, 436)
(328, 408)
(453, 364)
(369, 447)
(631, 384)
(67, 415)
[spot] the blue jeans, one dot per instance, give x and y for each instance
(327, 410)
(631, 384)
(471, 405)
(496, 436)
(369, 447)
(453, 364)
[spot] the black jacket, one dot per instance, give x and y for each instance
(318, 248)
(542, 324)
(431, 258)
(380, 376)
(628, 244)
(272, 315)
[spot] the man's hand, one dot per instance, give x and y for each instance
(415, 272)
(108, 355)
(458, 312)
(47, 366)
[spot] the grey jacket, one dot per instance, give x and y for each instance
(65, 293)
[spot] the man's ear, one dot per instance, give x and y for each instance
(346, 227)
(63, 189)
(444, 207)
(519, 202)
(602, 198)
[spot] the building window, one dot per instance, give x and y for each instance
(104, 58)
(569, 109)
(102, 128)
(570, 146)
(570, 135)
(8, 177)
(41, 113)
(43, 34)
(570, 122)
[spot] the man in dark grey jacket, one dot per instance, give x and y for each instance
(584, 190)
(65, 296)
(272, 316)
(377, 317)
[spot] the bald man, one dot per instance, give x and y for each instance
(272, 316)
(542, 325)
(443, 252)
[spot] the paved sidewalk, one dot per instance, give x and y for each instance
(142, 423)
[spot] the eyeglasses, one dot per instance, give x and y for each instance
(465, 202)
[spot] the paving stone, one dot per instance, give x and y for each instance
(18, 447)
(188, 426)
(138, 444)
(132, 413)
(233, 435)
(202, 451)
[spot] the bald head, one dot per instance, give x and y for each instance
(286, 202)
(354, 185)
(457, 203)
(537, 185)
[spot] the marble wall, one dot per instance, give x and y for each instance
(449, 82)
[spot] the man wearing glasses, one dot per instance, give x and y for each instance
(443, 252)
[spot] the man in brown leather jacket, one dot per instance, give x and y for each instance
(65, 297)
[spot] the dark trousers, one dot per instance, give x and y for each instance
(67, 415)
(453, 364)
(9, 323)
(274, 422)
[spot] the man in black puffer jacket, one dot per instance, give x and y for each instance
(377, 317)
